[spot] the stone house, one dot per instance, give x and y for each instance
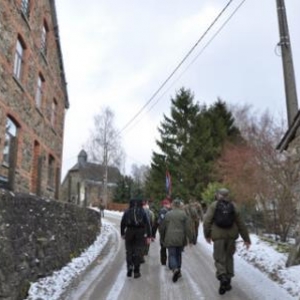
(33, 97)
(290, 142)
(84, 183)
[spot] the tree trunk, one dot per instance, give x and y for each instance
(294, 255)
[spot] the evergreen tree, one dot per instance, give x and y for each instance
(191, 140)
(123, 191)
(175, 132)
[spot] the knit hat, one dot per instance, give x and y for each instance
(176, 202)
(165, 202)
(223, 192)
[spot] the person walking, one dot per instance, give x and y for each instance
(223, 225)
(136, 231)
(194, 210)
(175, 234)
(102, 207)
(150, 216)
(166, 207)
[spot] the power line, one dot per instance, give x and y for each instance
(192, 62)
(177, 67)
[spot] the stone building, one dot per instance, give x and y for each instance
(84, 183)
(290, 143)
(33, 97)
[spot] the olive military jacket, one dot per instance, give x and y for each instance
(174, 230)
(212, 231)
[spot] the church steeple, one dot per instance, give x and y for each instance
(82, 157)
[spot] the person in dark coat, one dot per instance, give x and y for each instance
(136, 230)
(224, 240)
(175, 234)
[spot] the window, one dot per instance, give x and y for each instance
(25, 8)
(10, 134)
(18, 60)
(51, 165)
(53, 112)
(39, 91)
(44, 39)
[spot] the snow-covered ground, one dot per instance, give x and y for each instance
(260, 254)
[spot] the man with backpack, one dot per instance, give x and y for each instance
(194, 210)
(150, 215)
(223, 225)
(136, 230)
(166, 206)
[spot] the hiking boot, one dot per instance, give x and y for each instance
(137, 275)
(176, 275)
(228, 286)
(129, 272)
(223, 285)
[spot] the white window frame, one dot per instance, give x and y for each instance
(18, 60)
(53, 112)
(10, 133)
(39, 92)
(44, 39)
(25, 7)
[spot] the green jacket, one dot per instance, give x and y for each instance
(174, 230)
(214, 232)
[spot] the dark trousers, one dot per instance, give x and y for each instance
(163, 254)
(135, 245)
(175, 257)
(196, 226)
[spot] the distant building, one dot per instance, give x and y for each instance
(84, 183)
(33, 97)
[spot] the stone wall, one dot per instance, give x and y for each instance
(38, 236)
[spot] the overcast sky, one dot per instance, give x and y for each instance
(117, 53)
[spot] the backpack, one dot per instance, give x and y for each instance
(193, 212)
(224, 214)
(161, 215)
(135, 216)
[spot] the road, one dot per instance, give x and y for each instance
(106, 278)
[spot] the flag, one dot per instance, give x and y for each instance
(168, 183)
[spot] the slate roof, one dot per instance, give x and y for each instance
(290, 134)
(95, 172)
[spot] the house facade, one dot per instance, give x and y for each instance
(33, 97)
(85, 184)
(290, 143)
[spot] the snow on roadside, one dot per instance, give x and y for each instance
(260, 254)
(51, 287)
(268, 260)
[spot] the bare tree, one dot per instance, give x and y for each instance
(104, 145)
(261, 174)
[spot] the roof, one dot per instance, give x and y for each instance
(60, 57)
(290, 134)
(95, 172)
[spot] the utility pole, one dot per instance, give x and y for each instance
(105, 191)
(287, 62)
